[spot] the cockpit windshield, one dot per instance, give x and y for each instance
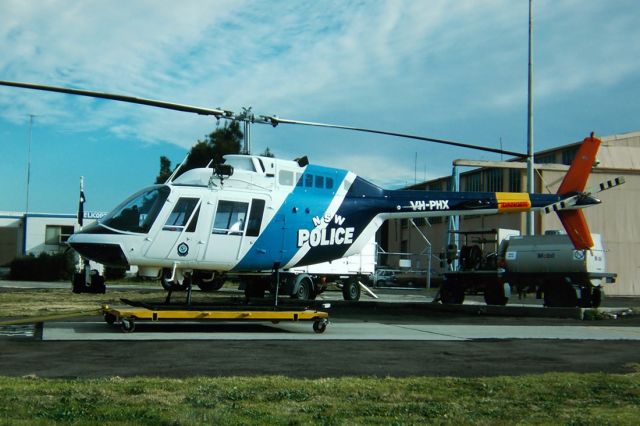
(138, 212)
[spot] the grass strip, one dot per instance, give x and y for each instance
(558, 398)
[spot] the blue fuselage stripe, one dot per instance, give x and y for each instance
(278, 241)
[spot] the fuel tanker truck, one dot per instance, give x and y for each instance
(547, 265)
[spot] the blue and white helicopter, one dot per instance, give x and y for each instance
(257, 217)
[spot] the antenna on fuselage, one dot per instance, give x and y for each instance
(175, 172)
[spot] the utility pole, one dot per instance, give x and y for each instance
(26, 210)
(530, 165)
(31, 116)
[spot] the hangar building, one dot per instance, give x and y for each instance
(616, 219)
(36, 233)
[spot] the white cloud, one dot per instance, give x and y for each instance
(386, 64)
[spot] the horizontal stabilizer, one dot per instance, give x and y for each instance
(581, 199)
(612, 183)
(561, 205)
(576, 226)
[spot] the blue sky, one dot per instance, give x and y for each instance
(446, 69)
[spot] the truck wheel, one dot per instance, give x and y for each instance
(304, 290)
(560, 295)
(585, 297)
(351, 290)
(596, 297)
(254, 290)
(451, 294)
(496, 294)
(213, 282)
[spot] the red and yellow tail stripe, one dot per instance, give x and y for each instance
(511, 202)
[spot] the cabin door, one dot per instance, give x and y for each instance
(178, 237)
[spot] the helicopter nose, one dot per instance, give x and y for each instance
(107, 254)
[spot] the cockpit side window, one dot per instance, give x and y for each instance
(230, 217)
(181, 214)
(255, 217)
(138, 212)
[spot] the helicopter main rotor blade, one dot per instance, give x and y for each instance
(218, 113)
(276, 120)
(221, 113)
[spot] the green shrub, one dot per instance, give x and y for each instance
(44, 267)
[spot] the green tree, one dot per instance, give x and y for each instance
(222, 141)
(165, 170)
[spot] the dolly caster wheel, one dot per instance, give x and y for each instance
(320, 326)
(109, 318)
(127, 325)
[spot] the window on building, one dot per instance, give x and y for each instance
(515, 180)
(473, 182)
(57, 235)
(568, 155)
(230, 217)
(494, 179)
(434, 186)
(546, 159)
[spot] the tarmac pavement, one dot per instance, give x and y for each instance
(402, 336)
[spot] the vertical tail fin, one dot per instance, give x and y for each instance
(575, 180)
(576, 226)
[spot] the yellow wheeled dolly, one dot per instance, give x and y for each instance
(127, 317)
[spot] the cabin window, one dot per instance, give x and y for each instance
(194, 222)
(319, 181)
(230, 218)
(308, 181)
(255, 218)
(181, 214)
(285, 178)
(138, 212)
(242, 163)
(328, 183)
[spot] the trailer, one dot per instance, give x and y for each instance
(546, 265)
(350, 273)
(126, 317)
